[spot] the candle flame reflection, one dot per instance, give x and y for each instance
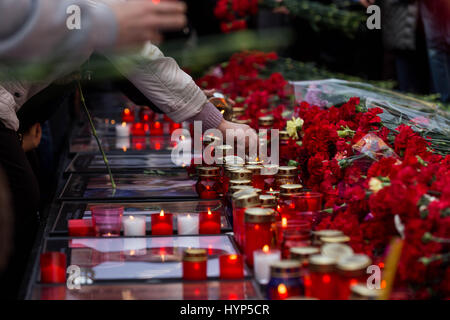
(282, 289)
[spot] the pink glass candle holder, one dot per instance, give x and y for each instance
(210, 222)
(53, 267)
(162, 224)
(231, 266)
(107, 220)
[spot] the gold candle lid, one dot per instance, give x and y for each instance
(194, 255)
(284, 135)
(244, 192)
(266, 121)
(208, 171)
(328, 233)
(270, 169)
(290, 188)
(336, 250)
(255, 169)
(234, 189)
(338, 239)
(247, 201)
(355, 262)
(321, 263)
(268, 201)
(242, 121)
(241, 174)
(285, 268)
(360, 291)
(240, 183)
(233, 160)
(259, 215)
(300, 253)
(238, 111)
(287, 170)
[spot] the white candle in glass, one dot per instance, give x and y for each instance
(262, 259)
(188, 223)
(134, 226)
(123, 130)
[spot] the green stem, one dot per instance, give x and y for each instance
(94, 132)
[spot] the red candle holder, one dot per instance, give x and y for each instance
(351, 270)
(240, 204)
(287, 225)
(157, 143)
(53, 267)
(127, 115)
(308, 201)
(139, 143)
(231, 266)
(156, 128)
(209, 222)
(323, 277)
(81, 228)
(194, 264)
(208, 185)
(146, 114)
(294, 238)
(138, 129)
(162, 224)
(258, 231)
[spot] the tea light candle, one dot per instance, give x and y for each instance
(262, 260)
(53, 267)
(122, 130)
(156, 128)
(127, 115)
(210, 222)
(231, 266)
(138, 129)
(188, 224)
(162, 223)
(194, 264)
(81, 228)
(134, 226)
(123, 143)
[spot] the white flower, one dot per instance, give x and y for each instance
(375, 185)
(293, 126)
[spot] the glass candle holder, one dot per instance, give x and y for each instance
(127, 115)
(294, 238)
(285, 280)
(81, 228)
(156, 127)
(134, 226)
(268, 173)
(146, 114)
(107, 220)
(122, 130)
(195, 264)
(323, 277)
(53, 267)
(138, 129)
(240, 204)
(157, 143)
(308, 201)
(139, 143)
(258, 231)
(302, 254)
(231, 266)
(327, 233)
(286, 200)
(210, 222)
(188, 223)
(208, 184)
(296, 225)
(351, 270)
(262, 259)
(162, 224)
(284, 146)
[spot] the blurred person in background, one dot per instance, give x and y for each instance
(6, 223)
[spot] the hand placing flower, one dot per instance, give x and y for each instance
(294, 126)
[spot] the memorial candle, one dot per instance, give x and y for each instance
(156, 128)
(134, 226)
(231, 266)
(123, 130)
(188, 223)
(262, 260)
(162, 223)
(81, 228)
(258, 231)
(127, 115)
(53, 267)
(194, 264)
(138, 129)
(210, 222)
(308, 201)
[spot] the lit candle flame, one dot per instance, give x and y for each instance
(233, 257)
(161, 214)
(222, 112)
(124, 149)
(126, 111)
(270, 189)
(124, 124)
(266, 248)
(282, 290)
(209, 212)
(113, 121)
(131, 217)
(284, 222)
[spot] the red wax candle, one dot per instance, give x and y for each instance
(209, 222)
(258, 231)
(308, 201)
(231, 266)
(127, 115)
(156, 128)
(194, 264)
(53, 267)
(162, 224)
(81, 228)
(138, 129)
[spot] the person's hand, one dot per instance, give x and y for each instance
(251, 138)
(140, 21)
(209, 93)
(367, 3)
(32, 138)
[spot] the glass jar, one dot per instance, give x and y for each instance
(258, 231)
(208, 184)
(268, 201)
(194, 264)
(240, 204)
(294, 238)
(328, 233)
(226, 176)
(285, 280)
(286, 201)
(238, 112)
(269, 172)
(284, 146)
(323, 277)
(351, 270)
(257, 178)
(302, 254)
(340, 239)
